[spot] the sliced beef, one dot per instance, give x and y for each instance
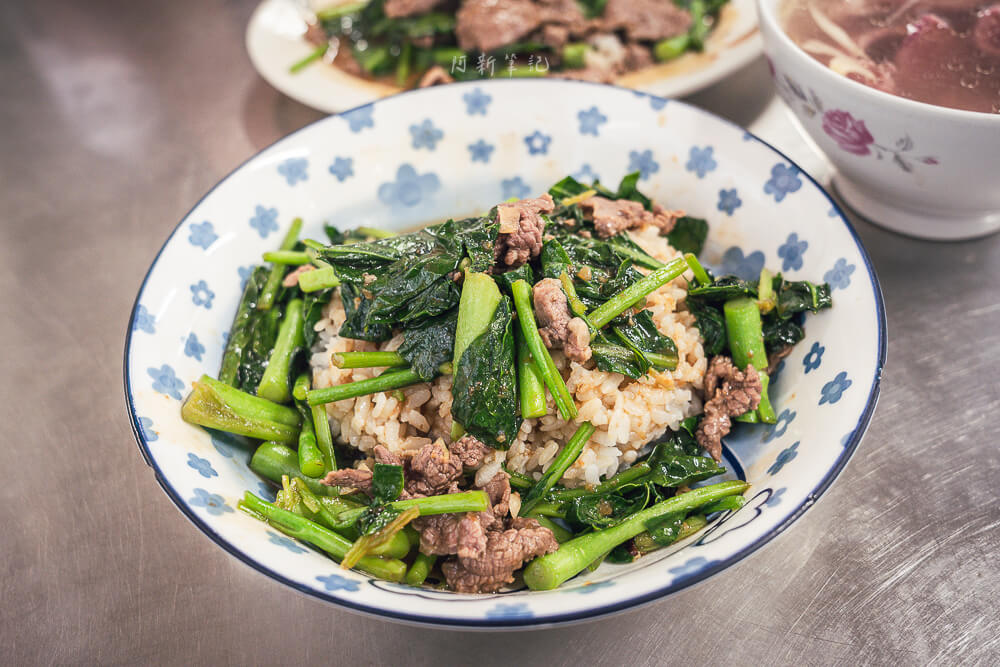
(383, 455)
(445, 534)
(487, 25)
(438, 533)
(292, 279)
(729, 393)
(395, 9)
(487, 568)
(637, 56)
(612, 216)
(646, 20)
(433, 470)
(498, 491)
(435, 76)
(521, 226)
(554, 35)
(469, 450)
(353, 478)
(556, 325)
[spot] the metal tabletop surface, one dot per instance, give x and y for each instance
(115, 117)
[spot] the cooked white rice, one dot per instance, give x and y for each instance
(627, 413)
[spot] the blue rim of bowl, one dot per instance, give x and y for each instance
(559, 619)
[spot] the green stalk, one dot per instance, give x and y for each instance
(560, 533)
(569, 454)
(671, 48)
(529, 384)
(575, 304)
(629, 296)
(324, 437)
(746, 344)
(447, 55)
(766, 298)
(519, 481)
(372, 359)
(421, 567)
(292, 257)
(339, 10)
(325, 539)
(313, 56)
(624, 477)
(547, 508)
(274, 382)
(320, 279)
(251, 405)
(386, 382)
(403, 64)
(273, 284)
(466, 501)
(207, 406)
(574, 55)
(700, 274)
(273, 460)
(543, 360)
(549, 571)
(310, 457)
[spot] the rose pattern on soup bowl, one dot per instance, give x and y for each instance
(457, 150)
(919, 169)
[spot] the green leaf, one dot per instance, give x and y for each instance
(665, 529)
(387, 482)
(723, 289)
(688, 235)
(484, 388)
(375, 518)
(429, 344)
(628, 189)
(711, 325)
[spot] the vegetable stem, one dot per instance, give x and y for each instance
(369, 359)
(700, 274)
(313, 56)
(215, 405)
(543, 360)
(746, 344)
(311, 462)
(376, 233)
(574, 55)
(608, 485)
(239, 333)
(274, 382)
(671, 48)
(530, 385)
(421, 567)
(569, 454)
(560, 533)
(272, 460)
(549, 571)
(273, 284)
(625, 299)
(396, 379)
(314, 281)
(287, 257)
(325, 539)
(465, 501)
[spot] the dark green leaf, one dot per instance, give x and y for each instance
(387, 483)
(665, 529)
(689, 235)
(779, 333)
(313, 304)
(800, 296)
(375, 518)
(604, 510)
(484, 389)
(711, 325)
(684, 470)
(567, 187)
(723, 289)
(628, 189)
(429, 344)
(357, 307)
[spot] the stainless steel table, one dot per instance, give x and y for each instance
(116, 116)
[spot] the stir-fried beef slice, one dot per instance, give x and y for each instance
(396, 9)
(646, 20)
(556, 325)
(730, 392)
(435, 76)
(498, 491)
(354, 478)
(438, 533)
(521, 227)
(383, 455)
(472, 540)
(432, 470)
(505, 552)
(554, 35)
(469, 450)
(637, 56)
(487, 25)
(613, 216)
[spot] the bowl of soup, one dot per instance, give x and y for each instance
(903, 96)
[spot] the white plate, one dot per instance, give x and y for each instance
(275, 41)
(455, 150)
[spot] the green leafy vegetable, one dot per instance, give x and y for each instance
(429, 344)
(688, 235)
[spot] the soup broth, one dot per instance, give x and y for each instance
(943, 52)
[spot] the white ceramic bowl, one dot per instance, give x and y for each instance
(274, 40)
(456, 150)
(916, 168)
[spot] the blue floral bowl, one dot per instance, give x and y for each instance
(456, 150)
